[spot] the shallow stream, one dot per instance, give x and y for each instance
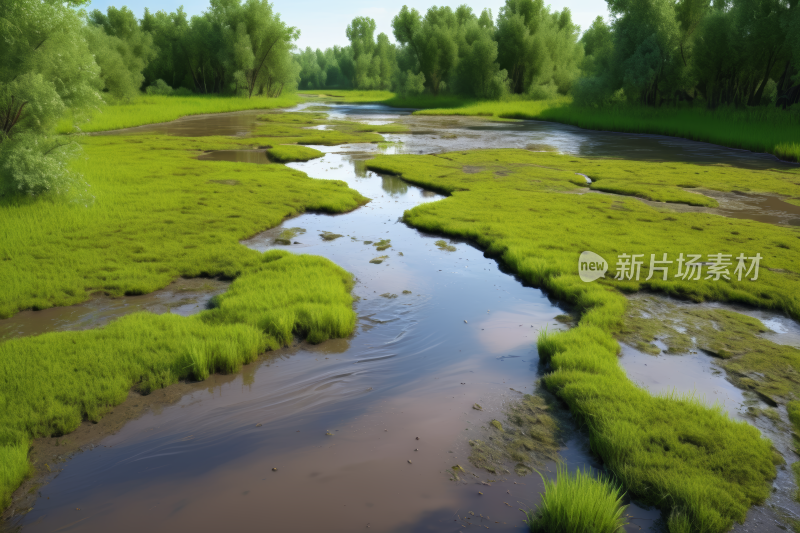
(362, 431)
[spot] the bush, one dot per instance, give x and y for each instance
(32, 165)
(160, 88)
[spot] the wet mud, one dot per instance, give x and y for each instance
(700, 375)
(183, 297)
(363, 432)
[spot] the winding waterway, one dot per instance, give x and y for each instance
(362, 431)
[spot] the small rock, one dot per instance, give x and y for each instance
(258, 425)
(416, 449)
(274, 469)
(417, 438)
(409, 462)
(465, 322)
(480, 493)
(477, 407)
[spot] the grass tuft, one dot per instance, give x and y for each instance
(578, 503)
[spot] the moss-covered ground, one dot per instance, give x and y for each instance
(736, 340)
(50, 383)
(152, 212)
(290, 153)
(533, 432)
(702, 468)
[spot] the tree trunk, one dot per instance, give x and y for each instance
(755, 99)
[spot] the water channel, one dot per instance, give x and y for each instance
(362, 431)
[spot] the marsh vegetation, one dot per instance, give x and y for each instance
(75, 227)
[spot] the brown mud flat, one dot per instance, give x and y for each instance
(184, 296)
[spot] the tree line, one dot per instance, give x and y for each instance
(58, 60)
(652, 52)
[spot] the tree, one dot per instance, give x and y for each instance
(257, 44)
(431, 42)
(478, 73)
(47, 69)
(121, 49)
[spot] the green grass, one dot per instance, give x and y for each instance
(151, 109)
(702, 468)
(349, 96)
(50, 383)
(578, 503)
(290, 153)
(153, 212)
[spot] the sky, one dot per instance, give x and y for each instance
(322, 23)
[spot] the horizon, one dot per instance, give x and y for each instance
(329, 29)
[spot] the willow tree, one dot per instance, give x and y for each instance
(122, 50)
(431, 41)
(258, 43)
(47, 69)
(478, 74)
(539, 49)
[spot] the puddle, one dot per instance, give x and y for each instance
(340, 421)
(696, 373)
(183, 297)
(766, 208)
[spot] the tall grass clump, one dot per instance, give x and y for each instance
(50, 383)
(578, 503)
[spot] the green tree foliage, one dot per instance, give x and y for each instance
(169, 33)
(46, 69)
(431, 41)
(478, 73)
(729, 52)
(234, 47)
(373, 62)
(540, 50)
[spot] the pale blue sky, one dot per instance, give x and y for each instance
(323, 22)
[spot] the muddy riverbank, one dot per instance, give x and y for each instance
(438, 332)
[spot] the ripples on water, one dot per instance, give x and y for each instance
(413, 369)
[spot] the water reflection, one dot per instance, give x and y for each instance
(394, 185)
